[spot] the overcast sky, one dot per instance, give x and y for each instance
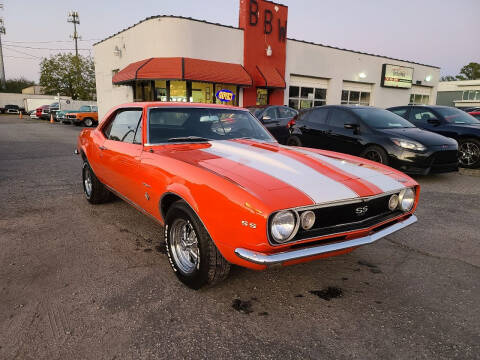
(445, 33)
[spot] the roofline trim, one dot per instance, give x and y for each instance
(362, 53)
(237, 28)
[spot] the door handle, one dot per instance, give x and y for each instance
(101, 147)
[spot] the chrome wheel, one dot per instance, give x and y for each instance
(184, 246)
(374, 156)
(88, 122)
(469, 153)
(87, 181)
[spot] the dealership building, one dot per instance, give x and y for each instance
(173, 58)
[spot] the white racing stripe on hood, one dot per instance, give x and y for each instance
(318, 187)
(382, 181)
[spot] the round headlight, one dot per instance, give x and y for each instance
(283, 226)
(307, 219)
(393, 202)
(406, 199)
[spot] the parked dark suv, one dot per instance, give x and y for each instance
(451, 122)
(375, 134)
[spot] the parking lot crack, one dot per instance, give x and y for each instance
(424, 253)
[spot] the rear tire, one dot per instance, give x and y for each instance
(294, 141)
(192, 254)
(95, 191)
(375, 153)
(469, 150)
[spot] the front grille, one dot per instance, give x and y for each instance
(445, 157)
(342, 218)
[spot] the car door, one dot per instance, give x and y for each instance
(270, 120)
(344, 132)
(314, 128)
(285, 114)
(121, 152)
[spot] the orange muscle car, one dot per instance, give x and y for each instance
(228, 193)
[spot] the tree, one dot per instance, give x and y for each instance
(68, 75)
(448, 78)
(470, 72)
(16, 85)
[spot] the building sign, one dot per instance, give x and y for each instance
(397, 76)
(225, 95)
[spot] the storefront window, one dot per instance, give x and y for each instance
(262, 97)
(178, 91)
(469, 95)
(306, 97)
(353, 97)
(202, 92)
(143, 91)
(417, 99)
(161, 90)
(232, 88)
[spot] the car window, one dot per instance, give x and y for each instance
(256, 111)
(338, 118)
(456, 116)
(403, 112)
(318, 116)
(421, 115)
(124, 126)
(272, 112)
(381, 119)
(285, 112)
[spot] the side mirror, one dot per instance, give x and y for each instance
(433, 121)
(353, 127)
(266, 118)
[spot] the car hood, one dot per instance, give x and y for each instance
(271, 170)
(425, 137)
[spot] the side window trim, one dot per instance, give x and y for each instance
(113, 117)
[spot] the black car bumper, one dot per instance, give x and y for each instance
(436, 159)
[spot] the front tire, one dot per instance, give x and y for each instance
(375, 153)
(294, 141)
(469, 150)
(193, 255)
(88, 122)
(95, 192)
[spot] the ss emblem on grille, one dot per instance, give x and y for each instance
(362, 210)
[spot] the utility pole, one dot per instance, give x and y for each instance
(3, 82)
(75, 19)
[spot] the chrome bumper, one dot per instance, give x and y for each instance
(278, 258)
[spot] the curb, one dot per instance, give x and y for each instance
(470, 172)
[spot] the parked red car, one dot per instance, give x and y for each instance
(228, 193)
(475, 114)
(43, 112)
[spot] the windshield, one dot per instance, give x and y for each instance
(201, 124)
(256, 110)
(382, 119)
(456, 116)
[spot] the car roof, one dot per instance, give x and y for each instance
(150, 104)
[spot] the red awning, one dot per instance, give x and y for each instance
(269, 77)
(179, 68)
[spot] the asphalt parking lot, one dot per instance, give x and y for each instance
(93, 282)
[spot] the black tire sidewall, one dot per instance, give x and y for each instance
(198, 277)
(294, 141)
(86, 167)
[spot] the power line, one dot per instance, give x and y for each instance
(23, 53)
(19, 57)
(46, 42)
(42, 48)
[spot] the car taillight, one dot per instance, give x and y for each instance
(291, 123)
